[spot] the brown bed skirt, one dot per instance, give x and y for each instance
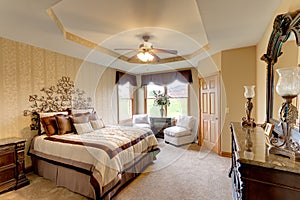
(81, 180)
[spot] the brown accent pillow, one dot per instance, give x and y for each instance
(80, 118)
(63, 123)
(50, 125)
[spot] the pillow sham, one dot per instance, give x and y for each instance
(63, 124)
(48, 114)
(94, 116)
(81, 111)
(49, 124)
(80, 118)
(97, 124)
(83, 128)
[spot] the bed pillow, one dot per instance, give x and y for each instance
(83, 128)
(97, 124)
(49, 124)
(93, 116)
(186, 122)
(80, 118)
(48, 114)
(63, 124)
(81, 111)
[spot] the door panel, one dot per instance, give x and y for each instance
(210, 104)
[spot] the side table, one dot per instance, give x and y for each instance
(158, 124)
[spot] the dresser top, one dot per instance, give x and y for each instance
(258, 154)
(11, 140)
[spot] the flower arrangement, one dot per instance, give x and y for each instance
(161, 99)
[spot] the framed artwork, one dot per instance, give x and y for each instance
(269, 129)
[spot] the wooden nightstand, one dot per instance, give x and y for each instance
(12, 175)
(158, 124)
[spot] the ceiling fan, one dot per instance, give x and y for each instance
(146, 51)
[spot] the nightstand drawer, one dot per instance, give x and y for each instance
(9, 173)
(7, 156)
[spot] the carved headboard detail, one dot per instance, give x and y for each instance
(57, 98)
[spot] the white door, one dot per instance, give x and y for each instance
(210, 113)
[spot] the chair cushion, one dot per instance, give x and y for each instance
(187, 122)
(140, 119)
(177, 131)
(142, 125)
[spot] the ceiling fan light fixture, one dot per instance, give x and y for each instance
(145, 56)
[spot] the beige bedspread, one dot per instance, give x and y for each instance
(111, 150)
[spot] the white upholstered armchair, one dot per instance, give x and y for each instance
(184, 132)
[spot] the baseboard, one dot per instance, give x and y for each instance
(225, 154)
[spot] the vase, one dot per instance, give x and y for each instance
(161, 111)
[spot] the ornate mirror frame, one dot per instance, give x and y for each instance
(283, 26)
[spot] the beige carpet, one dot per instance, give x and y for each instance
(184, 173)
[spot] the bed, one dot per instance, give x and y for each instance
(93, 160)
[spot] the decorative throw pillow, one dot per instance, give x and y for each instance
(80, 118)
(97, 124)
(186, 122)
(63, 123)
(83, 128)
(48, 114)
(93, 116)
(140, 119)
(49, 125)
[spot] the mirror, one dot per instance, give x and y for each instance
(284, 43)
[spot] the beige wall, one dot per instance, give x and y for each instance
(25, 70)
(261, 48)
(237, 68)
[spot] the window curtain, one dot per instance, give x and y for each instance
(122, 78)
(168, 77)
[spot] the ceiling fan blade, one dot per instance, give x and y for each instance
(155, 57)
(165, 51)
(132, 58)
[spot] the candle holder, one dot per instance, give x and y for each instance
(249, 94)
(288, 87)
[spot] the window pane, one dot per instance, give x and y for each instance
(178, 107)
(125, 91)
(178, 89)
(152, 110)
(125, 109)
(125, 101)
(178, 93)
(152, 87)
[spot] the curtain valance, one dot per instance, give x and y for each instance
(184, 76)
(123, 78)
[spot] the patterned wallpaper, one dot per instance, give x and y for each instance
(25, 70)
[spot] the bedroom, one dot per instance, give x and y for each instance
(24, 63)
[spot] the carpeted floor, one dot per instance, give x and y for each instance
(179, 173)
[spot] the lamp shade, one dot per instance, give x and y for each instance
(288, 82)
(249, 91)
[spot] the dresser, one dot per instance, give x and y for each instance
(12, 175)
(158, 124)
(255, 173)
